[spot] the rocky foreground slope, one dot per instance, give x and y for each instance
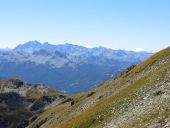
(138, 98)
(22, 103)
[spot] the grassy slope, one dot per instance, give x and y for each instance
(145, 79)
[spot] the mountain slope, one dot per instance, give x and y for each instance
(138, 98)
(21, 103)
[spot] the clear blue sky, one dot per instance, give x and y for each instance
(118, 24)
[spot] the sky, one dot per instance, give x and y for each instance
(116, 24)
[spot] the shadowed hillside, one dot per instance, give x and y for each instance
(22, 103)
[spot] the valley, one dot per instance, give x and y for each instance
(69, 68)
(84, 63)
(137, 98)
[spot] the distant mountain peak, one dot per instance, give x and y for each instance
(46, 43)
(29, 46)
(35, 45)
(31, 43)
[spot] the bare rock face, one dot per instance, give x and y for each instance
(44, 101)
(12, 109)
(10, 84)
(20, 102)
(24, 89)
(3, 122)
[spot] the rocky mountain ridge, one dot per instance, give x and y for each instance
(21, 103)
(68, 68)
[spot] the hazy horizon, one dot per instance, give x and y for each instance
(135, 50)
(128, 25)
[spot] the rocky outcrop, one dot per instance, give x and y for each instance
(47, 101)
(24, 89)
(21, 103)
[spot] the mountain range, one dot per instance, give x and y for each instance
(66, 67)
(137, 98)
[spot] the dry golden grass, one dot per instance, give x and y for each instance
(101, 112)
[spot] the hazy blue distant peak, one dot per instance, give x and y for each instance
(29, 46)
(41, 52)
(32, 44)
(46, 43)
(76, 50)
(66, 64)
(5, 49)
(70, 46)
